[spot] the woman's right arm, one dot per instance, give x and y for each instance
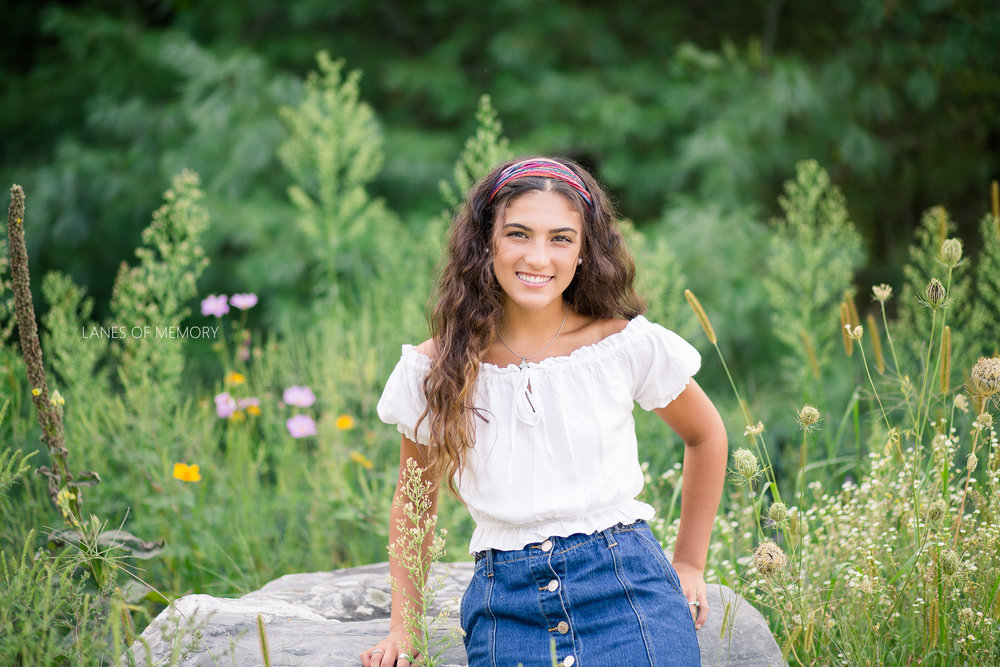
(398, 640)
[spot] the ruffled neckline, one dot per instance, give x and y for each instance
(583, 353)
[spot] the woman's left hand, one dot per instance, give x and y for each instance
(693, 585)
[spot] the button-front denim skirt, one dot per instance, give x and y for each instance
(608, 598)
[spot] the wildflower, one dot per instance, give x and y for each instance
(214, 305)
(243, 301)
(225, 405)
(361, 460)
(966, 615)
(808, 417)
(237, 416)
(777, 512)
(345, 422)
(951, 253)
(57, 399)
(36, 392)
(300, 397)
(867, 586)
(768, 558)
(881, 293)
(251, 405)
(986, 376)
(756, 429)
(301, 426)
(935, 294)
(971, 461)
(187, 473)
(961, 402)
(949, 561)
(745, 464)
(64, 500)
(235, 378)
(855, 333)
(937, 510)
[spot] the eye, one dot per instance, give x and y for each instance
(517, 234)
(562, 239)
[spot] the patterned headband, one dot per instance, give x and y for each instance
(546, 169)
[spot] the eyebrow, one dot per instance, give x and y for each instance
(558, 230)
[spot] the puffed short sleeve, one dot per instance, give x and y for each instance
(403, 399)
(662, 365)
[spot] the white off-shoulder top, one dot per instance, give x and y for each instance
(561, 457)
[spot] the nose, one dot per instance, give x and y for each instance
(537, 254)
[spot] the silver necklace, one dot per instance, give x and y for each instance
(524, 359)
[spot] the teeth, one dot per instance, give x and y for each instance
(538, 280)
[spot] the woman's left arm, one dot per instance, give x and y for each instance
(694, 418)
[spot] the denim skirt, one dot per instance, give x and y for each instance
(607, 598)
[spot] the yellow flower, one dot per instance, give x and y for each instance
(362, 460)
(345, 422)
(36, 392)
(187, 473)
(235, 378)
(253, 410)
(237, 416)
(57, 399)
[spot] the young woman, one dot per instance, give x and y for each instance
(522, 400)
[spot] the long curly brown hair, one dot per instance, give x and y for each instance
(469, 307)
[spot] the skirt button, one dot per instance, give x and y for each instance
(563, 627)
(547, 545)
(553, 585)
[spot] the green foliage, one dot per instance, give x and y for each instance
(812, 257)
(333, 153)
(982, 334)
(71, 349)
(153, 294)
(483, 150)
(923, 265)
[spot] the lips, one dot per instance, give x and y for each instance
(533, 280)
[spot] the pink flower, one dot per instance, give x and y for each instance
(214, 305)
(245, 403)
(300, 397)
(225, 405)
(301, 426)
(243, 301)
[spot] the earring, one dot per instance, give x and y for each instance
(579, 260)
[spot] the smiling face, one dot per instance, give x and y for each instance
(538, 240)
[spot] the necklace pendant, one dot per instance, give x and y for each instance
(523, 364)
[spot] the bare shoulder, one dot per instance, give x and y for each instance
(427, 348)
(596, 330)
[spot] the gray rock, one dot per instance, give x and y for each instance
(328, 618)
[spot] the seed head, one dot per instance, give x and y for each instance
(961, 402)
(949, 561)
(986, 376)
(755, 429)
(966, 615)
(935, 294)
(699, 312)
(881, 293)
(768, 558)
(855, 333)
(745, 464)
(808, 417)
(777, 512)
(867, 586)
(951, 253)
(971, 461)
(937, 510)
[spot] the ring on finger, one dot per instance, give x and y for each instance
(405, 656)
(378, 650)
(694, 603)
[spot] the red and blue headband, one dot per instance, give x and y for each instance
(546, 169)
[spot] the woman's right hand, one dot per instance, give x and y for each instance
(393, 650)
